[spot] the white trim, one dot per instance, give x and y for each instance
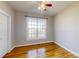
(28, 45)
(4, 12)
(9, 34)
(11, 49)
(9, 30)
(1, 56)
(32, 44)
(67, 49)
(7, 52)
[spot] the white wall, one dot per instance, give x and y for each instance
(21, 31)
(6, 8)
(67, 28)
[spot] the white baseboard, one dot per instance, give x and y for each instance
(1, 56)
(11, 49)
(67, 49)
(32, 44)
(27, 45)
(7, 52)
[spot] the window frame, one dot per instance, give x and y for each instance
(37, 29)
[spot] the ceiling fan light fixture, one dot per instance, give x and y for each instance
(39, 7)
(43, 8)
(44, 5)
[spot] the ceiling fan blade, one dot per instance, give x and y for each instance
(49, 5)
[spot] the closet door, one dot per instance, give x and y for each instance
(3, 34)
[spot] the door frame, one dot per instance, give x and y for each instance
(8, 30)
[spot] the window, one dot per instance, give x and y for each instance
(36, 28)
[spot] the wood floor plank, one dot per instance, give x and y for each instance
(46, 50)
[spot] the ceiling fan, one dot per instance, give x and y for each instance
(44, 5)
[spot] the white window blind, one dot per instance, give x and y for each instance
(36, 28)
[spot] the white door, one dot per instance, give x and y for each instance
(3, 34)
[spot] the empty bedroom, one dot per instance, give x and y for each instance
(39, 29)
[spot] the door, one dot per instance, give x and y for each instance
(3, 34)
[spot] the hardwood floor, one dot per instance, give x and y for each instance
(46, 50)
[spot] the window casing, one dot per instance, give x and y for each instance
(36, 28)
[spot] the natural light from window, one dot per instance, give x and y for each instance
(36, 28)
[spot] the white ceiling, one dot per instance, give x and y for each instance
(32, 7)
